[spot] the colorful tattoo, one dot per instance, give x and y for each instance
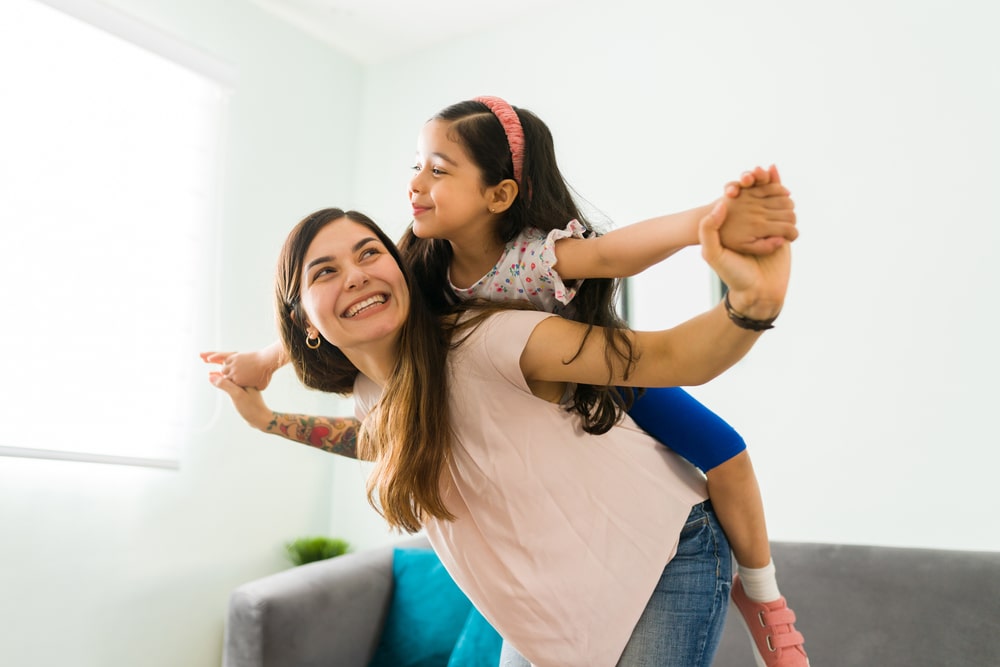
(337, 435)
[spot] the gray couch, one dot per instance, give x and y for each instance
(858, 606)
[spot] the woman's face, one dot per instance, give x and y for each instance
(353, 291)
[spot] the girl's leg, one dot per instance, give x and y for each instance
(682, 624)
(676, 419)
(680, 422)
(733, 488)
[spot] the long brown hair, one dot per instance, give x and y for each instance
(545, 201)
(407, 434)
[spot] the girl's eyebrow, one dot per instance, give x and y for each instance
(445, 158)
(329, 258)
(442, 156)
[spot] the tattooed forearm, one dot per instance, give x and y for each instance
(337, 435)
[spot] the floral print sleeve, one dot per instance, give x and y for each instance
(526, 270)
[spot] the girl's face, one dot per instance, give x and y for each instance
(447, 192)
(353, 291)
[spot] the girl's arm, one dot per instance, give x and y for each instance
(337, 435)
(250, 369)
(691, 353)
(760, 219)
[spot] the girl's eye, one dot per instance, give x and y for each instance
(436, 171)
(369, 252)
(326, 270)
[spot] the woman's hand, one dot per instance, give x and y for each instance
(247, 369)
(247, 401)
(757, 283)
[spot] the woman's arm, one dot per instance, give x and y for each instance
(337, 435)
(760, 219)
(691, 353)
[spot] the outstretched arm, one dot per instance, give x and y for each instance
(337, 435)
(761, 218)
(691, 353)
(250, 369)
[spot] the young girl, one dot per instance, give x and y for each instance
(595, 550)
(486, 185)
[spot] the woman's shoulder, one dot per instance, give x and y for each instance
(494, 327)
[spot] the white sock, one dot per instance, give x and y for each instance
(759, 583)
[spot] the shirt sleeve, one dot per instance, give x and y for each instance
(560, 291)
(503, 338)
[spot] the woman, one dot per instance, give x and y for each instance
(579, 549)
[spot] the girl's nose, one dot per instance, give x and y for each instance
(415, 181)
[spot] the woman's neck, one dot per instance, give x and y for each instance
(375, 360)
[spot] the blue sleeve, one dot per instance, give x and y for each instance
(676, 419)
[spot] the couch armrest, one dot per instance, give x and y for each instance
(325, 613)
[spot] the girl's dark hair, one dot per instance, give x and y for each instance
(544, 201)
(407, 435)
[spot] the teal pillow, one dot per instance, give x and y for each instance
(426, 615)
(478, 645)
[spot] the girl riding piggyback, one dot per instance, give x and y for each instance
(486, 185)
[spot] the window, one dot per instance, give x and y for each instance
(110, 138)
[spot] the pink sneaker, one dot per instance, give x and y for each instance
(776, 642)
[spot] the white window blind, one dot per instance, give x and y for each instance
(109, 145)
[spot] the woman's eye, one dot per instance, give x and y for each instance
(436, 171)
(415, 167)
(369, 252)
(326, 270)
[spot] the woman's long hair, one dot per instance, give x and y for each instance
(544, 201)
(407, 434)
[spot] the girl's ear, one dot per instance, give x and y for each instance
(502, 195)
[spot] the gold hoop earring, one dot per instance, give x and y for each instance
(309, 342)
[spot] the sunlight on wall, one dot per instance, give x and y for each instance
(109, 166)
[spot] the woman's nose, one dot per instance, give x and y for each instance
(356, 277)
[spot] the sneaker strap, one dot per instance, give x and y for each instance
(785, 640)
(784, 616)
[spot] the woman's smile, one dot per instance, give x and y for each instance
(366, 306)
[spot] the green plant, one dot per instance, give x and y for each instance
(310, 549)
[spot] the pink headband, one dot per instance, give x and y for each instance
(512, 128)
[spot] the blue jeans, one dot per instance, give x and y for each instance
(682, 623)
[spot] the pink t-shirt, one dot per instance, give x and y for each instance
(560, 536)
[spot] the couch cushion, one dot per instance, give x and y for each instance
(426, 615)
(478, 645)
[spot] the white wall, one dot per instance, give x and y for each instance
(868, 410)
(109, 566)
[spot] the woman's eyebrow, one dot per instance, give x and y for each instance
(329, 258)
(363, 242)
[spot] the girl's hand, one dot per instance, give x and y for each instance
(247, 401)
(757, 283)
(247, 369)
(761, 216)
(757, 176)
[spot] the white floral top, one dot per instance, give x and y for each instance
(526, 270)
